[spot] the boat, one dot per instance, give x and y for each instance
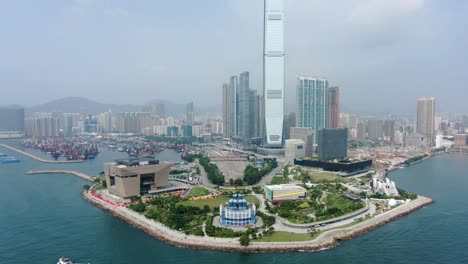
(64, 260)
(8, 159)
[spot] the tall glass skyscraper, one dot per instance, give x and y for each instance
(273, 72)
(312, 102)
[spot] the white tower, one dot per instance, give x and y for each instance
(273, 72)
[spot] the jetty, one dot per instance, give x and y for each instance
(38, 158)
(74, 173)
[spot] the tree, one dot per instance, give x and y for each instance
(86, 187)
(231, 181)
(244, 240)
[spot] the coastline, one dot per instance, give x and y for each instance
(326, 240)
(38, 158)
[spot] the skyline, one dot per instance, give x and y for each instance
(81, 46)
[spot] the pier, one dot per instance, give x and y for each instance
(38, 158)
(74, 173)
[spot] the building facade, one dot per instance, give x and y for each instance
(332, 143)
(334, 107)
(237, 212)
(273, 72)
(277, 194)
(307, 135)
(312, 102)
(294, 149)
(425, 118)
(135, 177)
(12, 122)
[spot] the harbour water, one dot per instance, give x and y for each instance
(43, 217)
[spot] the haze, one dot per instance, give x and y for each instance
(384, 54)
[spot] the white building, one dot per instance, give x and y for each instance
(273, 72)
(387, 187)
(443, 141)
(277, 194)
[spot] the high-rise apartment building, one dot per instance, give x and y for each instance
(334, 107)
(241, 111)
(425, 118)
(312, 102)
(374, 128)
(273, 72)
(189, 114)
(389, 130)
(12, 119)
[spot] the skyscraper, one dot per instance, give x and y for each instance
(189, 114)
(374, 128)
(425, 118)
(273, 72)
(312, 102)
(240, 109)
(243, 110)
(233, 104)
(226, 116)
(333, 107)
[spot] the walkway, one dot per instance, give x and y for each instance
(74, 173)
(38, 158)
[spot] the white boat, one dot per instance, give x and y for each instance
(64, 260)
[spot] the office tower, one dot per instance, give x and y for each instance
(332, 143)
(226, 104)
(312, 102)
(273, 72)
(243, 103)
(254, 114)
(425, 118)
(389, 130)
(465, 121)
(374, 128)
(333, 107)
(189, 114)
(11, 119)
(233, 104)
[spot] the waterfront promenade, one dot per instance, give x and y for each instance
(325, 240)
(38, 158)
(74, 173)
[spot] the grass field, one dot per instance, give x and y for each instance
(276, 180)
(198, 191)
(212, 203)
(282, 236)
(325, 176)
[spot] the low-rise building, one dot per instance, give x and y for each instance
(134, 177)
(237, 212)
(294, 148)
(277, 194)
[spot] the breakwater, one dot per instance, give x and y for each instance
(38, 158)
(74, 173)
(327, 239)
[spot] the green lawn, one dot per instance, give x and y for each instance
(338, 201)
(276, 180)
(282, 236)
(216, 202)
(198, 191)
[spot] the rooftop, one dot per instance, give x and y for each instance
(285, 187)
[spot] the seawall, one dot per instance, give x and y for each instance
(74, 173)
(38, 158)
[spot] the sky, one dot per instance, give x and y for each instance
(384, 54)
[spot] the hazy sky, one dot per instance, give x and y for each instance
(384, 54)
